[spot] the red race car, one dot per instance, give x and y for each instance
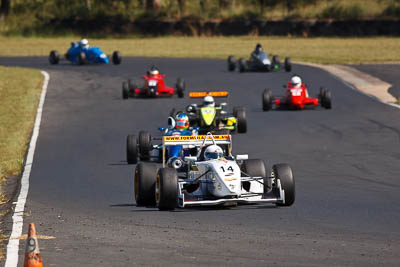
(154, 86)
(296, 97)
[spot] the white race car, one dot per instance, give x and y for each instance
(213, 177)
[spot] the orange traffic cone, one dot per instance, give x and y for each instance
(32, 253)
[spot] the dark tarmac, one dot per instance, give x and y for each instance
(345, 162)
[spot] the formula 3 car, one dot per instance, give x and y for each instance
(154, 86)
(259, 62)
(80, 55)
(143, 147)
(296, 97)
(212, 117)
(213, 180)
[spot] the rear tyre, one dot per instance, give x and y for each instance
(256, 168)
(242, 65)
(283, 172)
(144, 184)
(81, 58)
(267, 100)
(116, 58)
(131, 149)
(180, 87)
(54, 57)
(166, 190)
(125, 90)
(145, 145)
(327, 99)
(231, 63)
(241, 122)
(288, 64)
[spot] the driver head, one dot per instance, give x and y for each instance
(154, 71)
(295, 81)
(84, 43)
(182, 121)
(208, 101)
(213, 152)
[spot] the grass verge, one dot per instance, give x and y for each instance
(19, 97)
(316, 50)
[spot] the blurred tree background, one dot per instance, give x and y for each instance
(25, 15)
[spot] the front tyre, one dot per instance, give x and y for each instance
(267, 100)
(144, 184)
(81, 58)
(284, 173)
(166, 189)
(131, 149)
(116, 57)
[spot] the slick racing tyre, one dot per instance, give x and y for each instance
(81, 58)
(166, 190)
(131, 149)
(145, 145)
(231, 63)
(288, 64)
(256, 168)
(325, 98)
(144, 184)
(125, 90)
(267, 100)
(54, 57)
(242, 65)
(241, 122)
(284, 173)
(116, 58)
(180, 87)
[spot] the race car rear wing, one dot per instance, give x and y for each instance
(198, 141)
(213, 94)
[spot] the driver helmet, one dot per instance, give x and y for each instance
(84, 43)
(295, 81)
(258, 48)
(213, 152)
(154, 71)
(208, 101)
(181, 122)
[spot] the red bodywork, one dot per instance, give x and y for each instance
(156, 82)
(296, 97)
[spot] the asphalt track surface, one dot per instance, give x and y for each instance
(345, 162)
(386, 72)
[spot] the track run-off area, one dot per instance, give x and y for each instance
(345, 162)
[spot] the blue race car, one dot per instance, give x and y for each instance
(80, 53)
(142, 148)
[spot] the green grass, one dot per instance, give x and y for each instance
(316, 50)
(19, 95)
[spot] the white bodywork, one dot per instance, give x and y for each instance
(219, 181)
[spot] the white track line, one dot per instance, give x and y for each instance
(13, 243)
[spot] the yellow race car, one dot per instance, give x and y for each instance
(213, 117)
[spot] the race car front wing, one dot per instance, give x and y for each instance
(247, 198)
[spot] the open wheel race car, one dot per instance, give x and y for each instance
(143, 147)
(296, 97)
(259, 61)
(80, 53)
(212, 178)
(212, 117)
(154, 86)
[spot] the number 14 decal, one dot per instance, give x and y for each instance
(228, 169)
